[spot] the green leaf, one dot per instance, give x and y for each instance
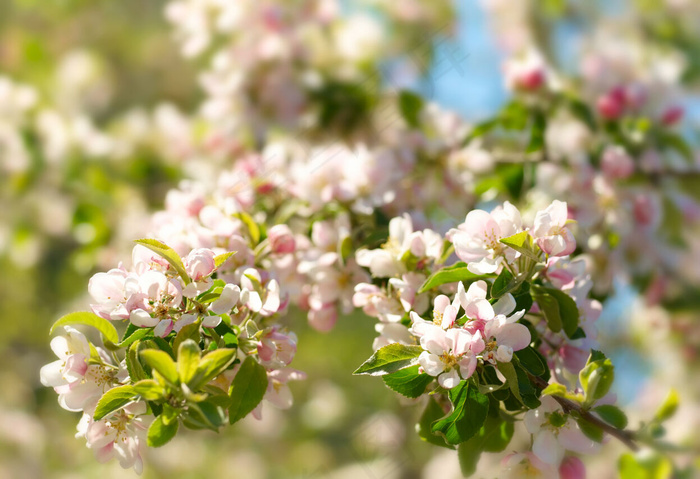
(496, 434)
(114, 399)
(133, 365)
(469, 454)
(109, 332)
(211, 415)
(410, 106)
(612, 415)
(253, 228)
(149, 389)
(668, 408)
(524, 244)
(188, 355)
(408, 381)
(550, 310)
(247, 389)
(532, 360)
(159, 433)
(390, 359)
(169, 254)
(584, 114)
(161, 362)
(211, 365)
(220, 259)
(470, 408)
(137, 335)
(539, 125)
(648, 466)
(590, 431)
(508, 371)
(432, 413)
(596, 379)
(189, 331)
(568, 311)
(555, 389)
(502, 284)
(452, 274)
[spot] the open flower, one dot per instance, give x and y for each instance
(450, 355)
(551, 231)
(477, 240)
(555, 432)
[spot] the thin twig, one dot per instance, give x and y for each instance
(626, 437)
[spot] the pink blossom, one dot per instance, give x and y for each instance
(572, 468)
(554, 433)
(551, 230)
(276, 350)
(617, 163)
(477, 240)
(503, 336)
(199, 264)
(281, 239)
(447, 352)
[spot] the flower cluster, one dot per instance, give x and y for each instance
(511, 329)
(198, 350)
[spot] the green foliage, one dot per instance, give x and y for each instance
(470, 408)
(169, 254)
(613, 415)
(651, 466)
(220, 259)
(390, 359)
(160, 433)
(524, 244)
(432, 413)
(559, 309)
(451, 274)
(247, 389)
(113, 400)
(596, 378)
(503, 284)
(109, 332)
(408, 382)
(410, 106)
(668, 408)
(161, 362)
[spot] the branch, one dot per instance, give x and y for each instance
(625, 436)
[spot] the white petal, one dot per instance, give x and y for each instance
(449, 379)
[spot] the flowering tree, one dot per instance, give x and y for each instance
(317, 188)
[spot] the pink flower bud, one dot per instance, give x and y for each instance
(200, 263)
(572, 468)
(616, 163)
(672, 116)
(612, 105)
(531, 80)
(281, 239)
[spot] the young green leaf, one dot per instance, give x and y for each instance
(247, 389)
(468, 454)
(149, 389)
(432, 413)
(390, 359)
(550, 309)
(220, 259)
(188, 355)
(590, 431)
(612, 415)
(211, 365)
(408, 381)
(410, 106)
(470, 408)
(161, 362)
(159, 433)
(508, 371)
(169, 254)
(253, 228)
(502, 284)
(523, 243)
(114, 399)
(452, 274)
(668, 408)
(109, 332)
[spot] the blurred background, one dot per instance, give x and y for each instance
(96, 100)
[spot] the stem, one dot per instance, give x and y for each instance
(623, 435)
